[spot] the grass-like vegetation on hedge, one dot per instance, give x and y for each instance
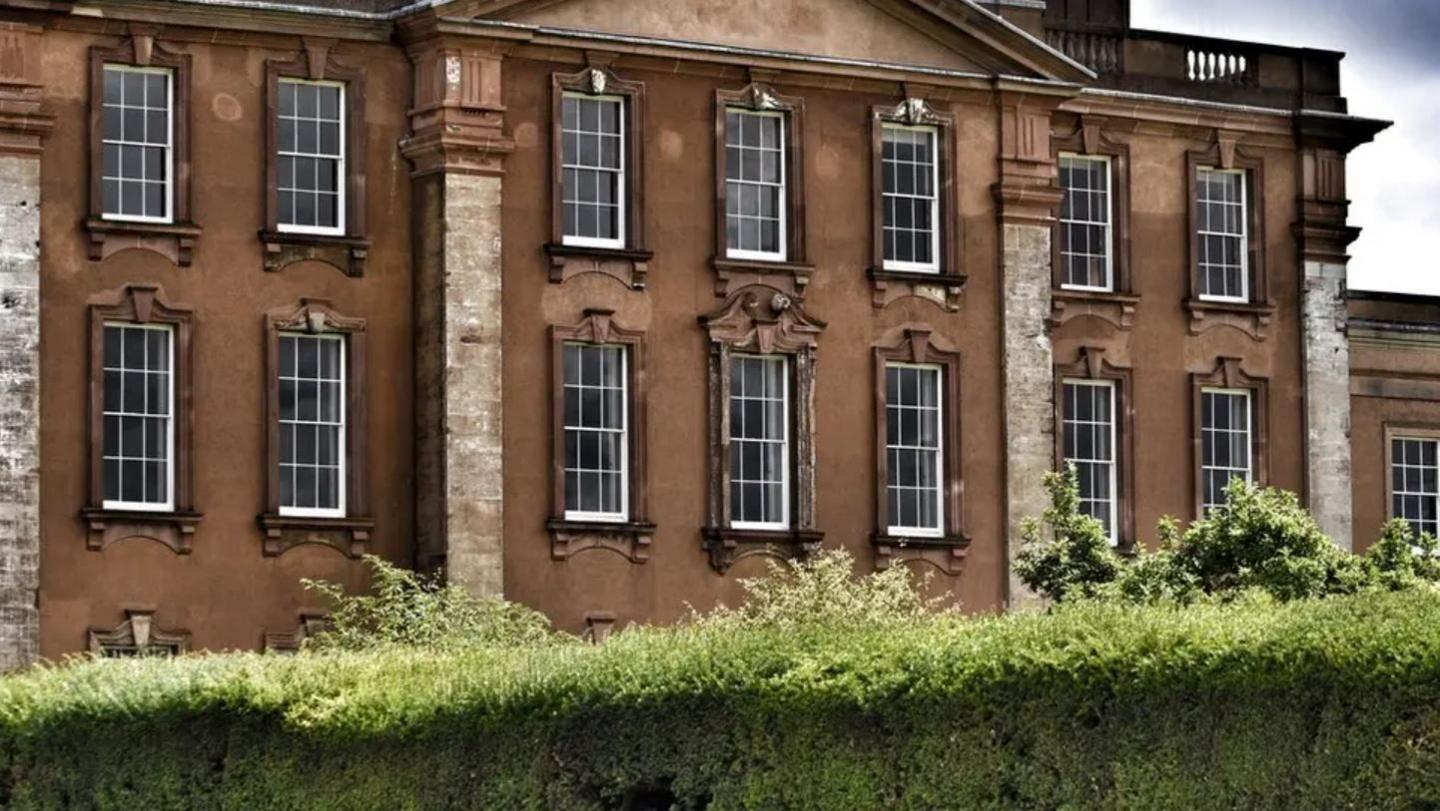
(1249, 703)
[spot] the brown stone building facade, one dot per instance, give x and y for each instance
(600, 304)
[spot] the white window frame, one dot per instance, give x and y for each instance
(170, 102)
(1109, 225)
(342, 181)
(935, 223)
(937, 531)
(341, 439)
(621, 191)
(170, 456)
(624, 514)
(1200, 234)
(1112, 531)
(1249, 443)
(784, 204)
(1402, 493)
(785, 442)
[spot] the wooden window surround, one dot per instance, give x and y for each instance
(1091, 364)
(762, 320)
(1228, 374)
(920, 345)
(630, 538)
(1252, 317)
(629, 265)
(945, 286)
(138, 636)
(350, 533)
(346, 252)
(1090, 138)
(175, 239)
(143, 304)
(791, 275)
(1402, 430)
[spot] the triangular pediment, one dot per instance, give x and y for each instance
(947, 34)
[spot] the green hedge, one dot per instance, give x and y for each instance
(1328, 704)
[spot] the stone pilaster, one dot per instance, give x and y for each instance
(1028, 196)
(457, 148)
(1324, 235)
(22, 127)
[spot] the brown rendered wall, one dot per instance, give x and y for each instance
(225, 592)
(679, 134)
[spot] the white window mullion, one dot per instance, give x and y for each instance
(596, 424)
(759, 442)
(1086, 224)
(1090, 443)
(1415, 483)
(592, 168)
(755, 180)
(915, 442)
(910, 198)
(1227, 423)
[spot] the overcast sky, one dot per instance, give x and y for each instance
(1391, 71)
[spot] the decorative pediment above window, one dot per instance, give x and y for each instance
(763, 320)
(315, 316)
(137, 636)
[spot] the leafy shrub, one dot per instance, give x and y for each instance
(823, 590)
(415, 610)
(1066, 553)
(1314, 704)
(1260, 539)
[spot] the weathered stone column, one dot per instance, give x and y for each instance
(1028, 196)
(22, 128)
(457, 148)
(1324, 236)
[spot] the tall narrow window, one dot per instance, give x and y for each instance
(596, 433)
(915, 465)
(759, 442)
(137, 162)
(593, 166)
(310, 159)
(755, 201)
(138, 468)
(1089, 444)
(910, 197)
(1225, 443)
(1086, 217)
(312, 425)
(1415, 483)
(1222, 234)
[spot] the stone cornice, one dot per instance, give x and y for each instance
(23, 123)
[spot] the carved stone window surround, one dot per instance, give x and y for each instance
(944, 286)
(347, 252)
(791, 275)
(138, 635)
(1252, 317)
(349, 534)
(1091, 364)
(628, 265)
(308, 624)
(631, 538)
(762, 320)
(143, 304)
(920, 345)
(175, 239)
(1229, 374)
(1091, 137)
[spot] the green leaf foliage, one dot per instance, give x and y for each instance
(1252, 703)
(1260, 540)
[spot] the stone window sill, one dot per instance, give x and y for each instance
(631, 540)
(943, 288)
(173, 529)
(946, 553)
(344, 253)
(627, 266)
(727, 545)
(1252, 318)
(285, 532)
(733, 274)
(175, 241)
(1113, 307)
